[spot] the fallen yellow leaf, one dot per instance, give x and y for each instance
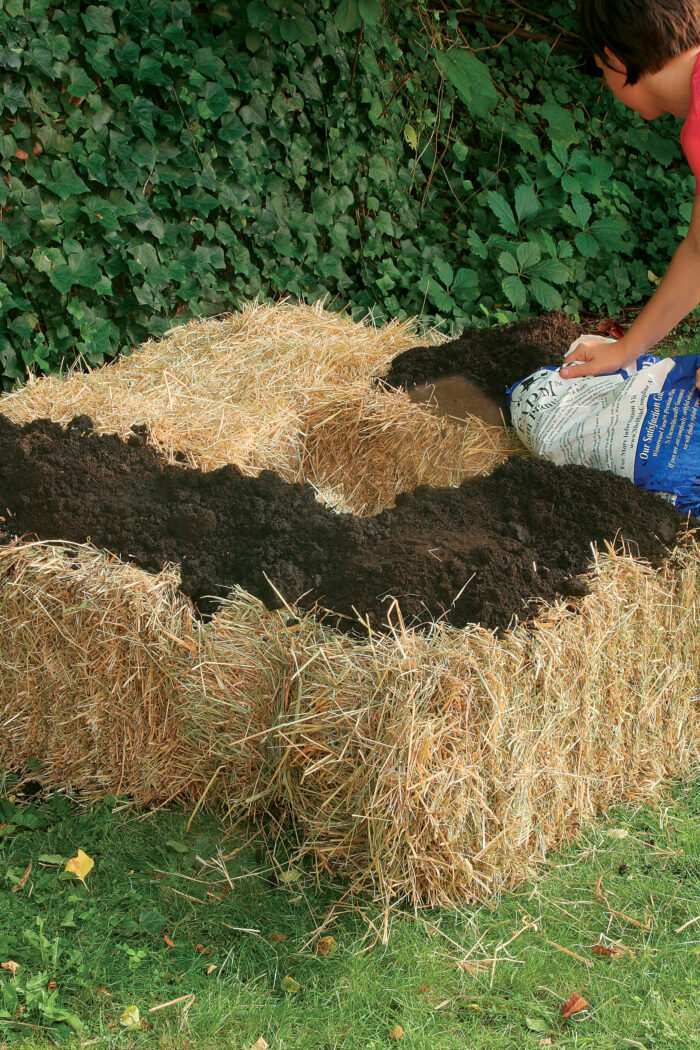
(130, 1019)
(10, 965)
(290, 876)
(80, 866)
(290, 985)
(260, 1044)
(211, 968)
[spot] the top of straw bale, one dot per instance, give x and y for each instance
(286, 387)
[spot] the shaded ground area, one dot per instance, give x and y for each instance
(491, 358)
(497, 542)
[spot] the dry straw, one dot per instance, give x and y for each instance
(285, 387)
(435, 767)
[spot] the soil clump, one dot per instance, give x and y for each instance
(481, 553)
(490, 358)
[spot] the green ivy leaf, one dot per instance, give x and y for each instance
(80, 83)
(471, 78)
(258, 13)
(370, 11)
(66, 182)
(561, 126)
(98, 19)
(347, 17)
(217, 99)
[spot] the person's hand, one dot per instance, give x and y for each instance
(697, 380)
(597, 358)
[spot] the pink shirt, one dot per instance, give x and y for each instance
(690, 132)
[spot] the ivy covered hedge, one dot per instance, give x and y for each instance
(161, 159)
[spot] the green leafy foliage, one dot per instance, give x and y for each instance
(160, 161)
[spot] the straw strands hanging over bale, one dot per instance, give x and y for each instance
(436, 766)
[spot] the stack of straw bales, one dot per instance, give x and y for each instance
(434, 767)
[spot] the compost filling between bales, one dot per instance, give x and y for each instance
(486, 552)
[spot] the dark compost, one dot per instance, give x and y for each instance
(481, 553)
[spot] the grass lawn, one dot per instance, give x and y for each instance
(235, 934)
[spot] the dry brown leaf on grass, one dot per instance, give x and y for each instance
(80, 865)
(574, 1005)
(10, 965)
(210, 969)
(396, 1032)
(23, 881)
(604, 949)
(277, 938)
(170, 943)
(260, 1044)
(326, 945)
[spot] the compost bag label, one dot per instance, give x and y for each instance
(642, 423)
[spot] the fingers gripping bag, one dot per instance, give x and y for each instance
(642, 422)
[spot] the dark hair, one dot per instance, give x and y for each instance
(644, 34)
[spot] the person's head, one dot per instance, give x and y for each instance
(634, 38)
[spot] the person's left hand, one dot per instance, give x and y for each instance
(697, 380)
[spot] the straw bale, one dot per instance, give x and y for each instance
(98, 664)
(286, 387)
(369, 444)
(430, 767)
(444, 767)
(437, 767)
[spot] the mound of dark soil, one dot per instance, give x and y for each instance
(491, 358)
(499, 542)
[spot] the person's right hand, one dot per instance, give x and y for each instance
(597, 358)
(697, 380)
